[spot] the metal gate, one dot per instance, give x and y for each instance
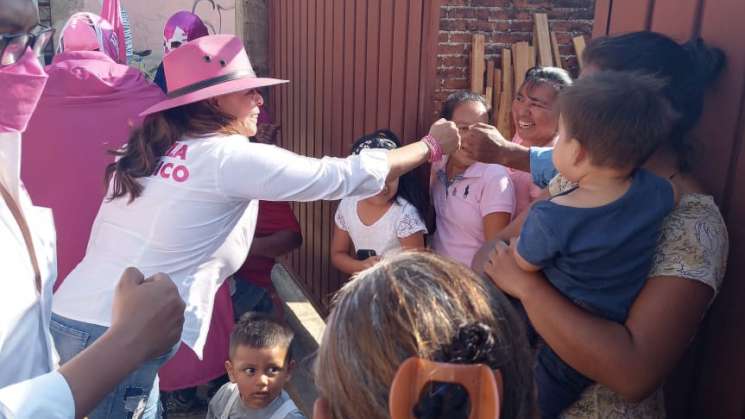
(354, 66)
(710, 383)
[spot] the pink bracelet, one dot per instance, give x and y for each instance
(435, 149)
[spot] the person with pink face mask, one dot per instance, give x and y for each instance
(148, 313)
(86, 88)
(180, 28)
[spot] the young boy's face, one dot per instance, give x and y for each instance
(260, 373)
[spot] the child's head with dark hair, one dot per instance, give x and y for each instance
(458, 98)
(260, 358)
(535, 113)
(407, 186)
(687, 69)
(614, 120)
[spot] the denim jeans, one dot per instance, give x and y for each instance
(137, 397)
(559, 385)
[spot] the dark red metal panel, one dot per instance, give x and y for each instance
(629, 16)
(676, 18)
(371, 65)
(355, 65)
(710, 382)
(602, 17)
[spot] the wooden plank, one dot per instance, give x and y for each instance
(477, 64)
(602, 18)
(555, 50)
(413, 70)
(542, 41)
(504, 120)
(371, 78)
(521, 61)
(508, 73)
(385, 63)
(630, 16)
(496, 95)
(398, 67)
(489, 91)
(531, 57)
(676, 18)
(579, 48)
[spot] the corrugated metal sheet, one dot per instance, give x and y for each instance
(710, 383)
(355, 66)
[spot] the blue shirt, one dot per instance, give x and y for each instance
(599, 257)
(542, 165)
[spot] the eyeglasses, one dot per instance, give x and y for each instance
(14, 45)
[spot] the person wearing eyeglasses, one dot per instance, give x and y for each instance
(147, 314)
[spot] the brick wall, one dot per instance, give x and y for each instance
(503, 22)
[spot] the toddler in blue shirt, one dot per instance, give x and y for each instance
(595, 242)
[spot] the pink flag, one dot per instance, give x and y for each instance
(112, 11)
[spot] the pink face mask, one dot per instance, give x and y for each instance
(22, 84)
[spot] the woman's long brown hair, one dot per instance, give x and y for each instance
(158, 132)
(413, 304)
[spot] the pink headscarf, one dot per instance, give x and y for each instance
(89, 32)
(181, 28)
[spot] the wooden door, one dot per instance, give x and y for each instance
(354, 66)
(710, 382)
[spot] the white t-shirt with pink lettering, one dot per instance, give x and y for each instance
(195, 221)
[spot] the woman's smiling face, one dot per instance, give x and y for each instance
(535, 113)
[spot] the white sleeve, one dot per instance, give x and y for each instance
(46, 396)
(410, 222)
(260, 171)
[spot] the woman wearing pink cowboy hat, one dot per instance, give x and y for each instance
(183, 198)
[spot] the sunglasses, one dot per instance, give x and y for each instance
(13, 46)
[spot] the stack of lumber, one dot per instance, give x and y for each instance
(498, 85)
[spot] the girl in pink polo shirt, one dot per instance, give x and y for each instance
(380, 225)
(473, 201)
(535, 115)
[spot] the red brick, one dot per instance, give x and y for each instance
(449, 49)
(461, 13)
(456, 84)
(453, 61)
(461, 37)
(452, 24)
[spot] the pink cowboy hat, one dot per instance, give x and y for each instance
(206, 67)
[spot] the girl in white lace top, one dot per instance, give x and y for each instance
(367, 229)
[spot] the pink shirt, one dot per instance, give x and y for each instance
(525, 190)
(461, 206)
